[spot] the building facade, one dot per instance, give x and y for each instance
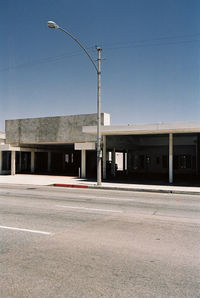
(66, 145)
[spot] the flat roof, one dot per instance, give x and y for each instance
(152, 128)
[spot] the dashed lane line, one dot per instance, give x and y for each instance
(25, 230)
(89, 209)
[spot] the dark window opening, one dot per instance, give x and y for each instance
(165, 161)
(185, 161)
(6, 160)
(141, 158)
(157, 160)
(176, 162)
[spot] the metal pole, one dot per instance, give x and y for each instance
(99, 155)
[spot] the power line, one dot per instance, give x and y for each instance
(40, 61)
(151, 39)
(44, 60)
(151, 44)
(122, 45)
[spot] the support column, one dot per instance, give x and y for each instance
(104, 157)
(32, 161)
(170, 158)
(83, 163)
(113, 163)
(49, 162)
(124, 161)
(13, 161)
(1, 162)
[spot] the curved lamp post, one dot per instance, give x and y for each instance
(97, 67)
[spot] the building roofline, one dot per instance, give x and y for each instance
(152, 128)
(51, 117)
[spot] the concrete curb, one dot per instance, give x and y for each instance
(70, 185)
(147, 190)
(188, 192)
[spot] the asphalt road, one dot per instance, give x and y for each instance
(94, 243)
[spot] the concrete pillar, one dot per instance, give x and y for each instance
(113, 163)
(49, 162)
(1, 162)
(124, 161)
(170, 158)
(13, 161)
(83, 163)
(104, 157)
(32, 161)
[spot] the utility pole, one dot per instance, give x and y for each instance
(99, 152)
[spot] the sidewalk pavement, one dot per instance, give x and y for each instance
(64, 181)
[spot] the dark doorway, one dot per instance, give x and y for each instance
(25, 162)
(18, 162)
(91, 164)
(72, 163)
(41, 162)
(6, 160)
(57, 162)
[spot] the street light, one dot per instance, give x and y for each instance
(97, 67)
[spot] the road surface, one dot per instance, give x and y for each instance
(58, 242)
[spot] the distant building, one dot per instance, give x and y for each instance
(66, 145)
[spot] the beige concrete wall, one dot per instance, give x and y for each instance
(63, 129)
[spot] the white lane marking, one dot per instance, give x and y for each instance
(90, 209)
(25, 230)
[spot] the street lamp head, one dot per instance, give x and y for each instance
(52, 25)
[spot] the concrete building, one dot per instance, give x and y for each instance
(66, 145)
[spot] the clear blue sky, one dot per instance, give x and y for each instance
(150, 73)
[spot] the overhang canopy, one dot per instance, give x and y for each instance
(137, 129)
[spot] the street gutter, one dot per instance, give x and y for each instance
(171, 191)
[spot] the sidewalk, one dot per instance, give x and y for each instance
(63, 181)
